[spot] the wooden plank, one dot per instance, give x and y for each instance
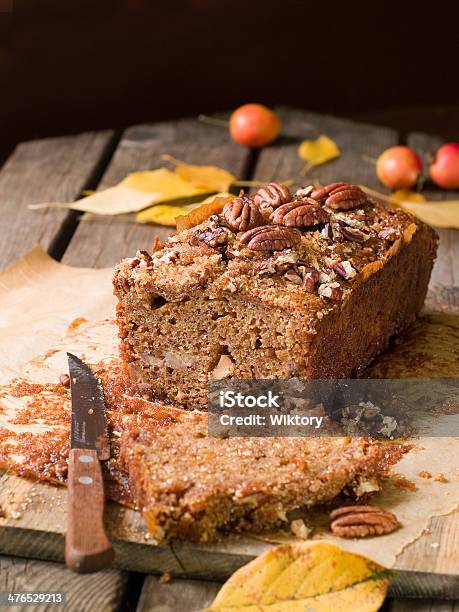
(444, 286)
(177, 595)
(47, 170)
(53, 169)
(104, 242)
(101, 591)
(92, 245)
(417, 605)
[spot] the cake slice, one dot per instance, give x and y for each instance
(195, 487)
(307, 285)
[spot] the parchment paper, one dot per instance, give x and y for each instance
(47, 308)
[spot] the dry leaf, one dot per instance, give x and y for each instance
(113, 201)
(165, 214)
(407, 195)
(210, 178)
(142, 189)
(314, 576)
(211, 206)
(137, 191)
(319, 151)
(167, 184)
(162, 214)
(433, 212)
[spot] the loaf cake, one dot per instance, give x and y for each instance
(311, 285)
(192, 486)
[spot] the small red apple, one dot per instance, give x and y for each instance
(399, 167)
(254, 125)
(445, 170)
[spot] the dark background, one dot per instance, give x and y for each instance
(68, 66)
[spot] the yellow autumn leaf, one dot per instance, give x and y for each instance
(406, 195)
(313, 576)
(137, 191)
(319, 151)
(165, 214)
(162, 214)
(167, 184)
(210, 178)
(439, 213)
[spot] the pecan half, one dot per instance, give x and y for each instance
(362, 521)
(301, 213)
(341, 196)
(271, 238)
(242, 214)
(272, 196)
(322, 194)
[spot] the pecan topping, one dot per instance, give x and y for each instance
(301, 213)
(322, 194)
(344, 269)
(272, 196)
(144, 255)
(271, 238)
(311, 276)
(340, 196)
(332, 291)
(242, 214)
(303, 192)
(214, 238)
(352, 235)
(389, 233)
(362, 521)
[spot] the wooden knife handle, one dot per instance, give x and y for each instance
(87, 548)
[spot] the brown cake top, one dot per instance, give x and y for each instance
(295, 250)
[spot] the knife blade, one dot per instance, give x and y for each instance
(87, 548)
(89, 423)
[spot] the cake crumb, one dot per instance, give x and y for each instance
(299, 528)
(440, 478)
(424, 474)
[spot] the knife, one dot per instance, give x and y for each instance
(87, 547)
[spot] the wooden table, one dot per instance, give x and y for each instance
(60, 169)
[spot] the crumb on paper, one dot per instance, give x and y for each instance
(424, 474)
(435, 545)
(401, 482)
(440, 478)
(75, 324)
(426, 531)
(15, 515)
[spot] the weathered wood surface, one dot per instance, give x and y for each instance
(70, 167)
(189, 595)
(102, 243)
(83, 593)
(55, 169)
